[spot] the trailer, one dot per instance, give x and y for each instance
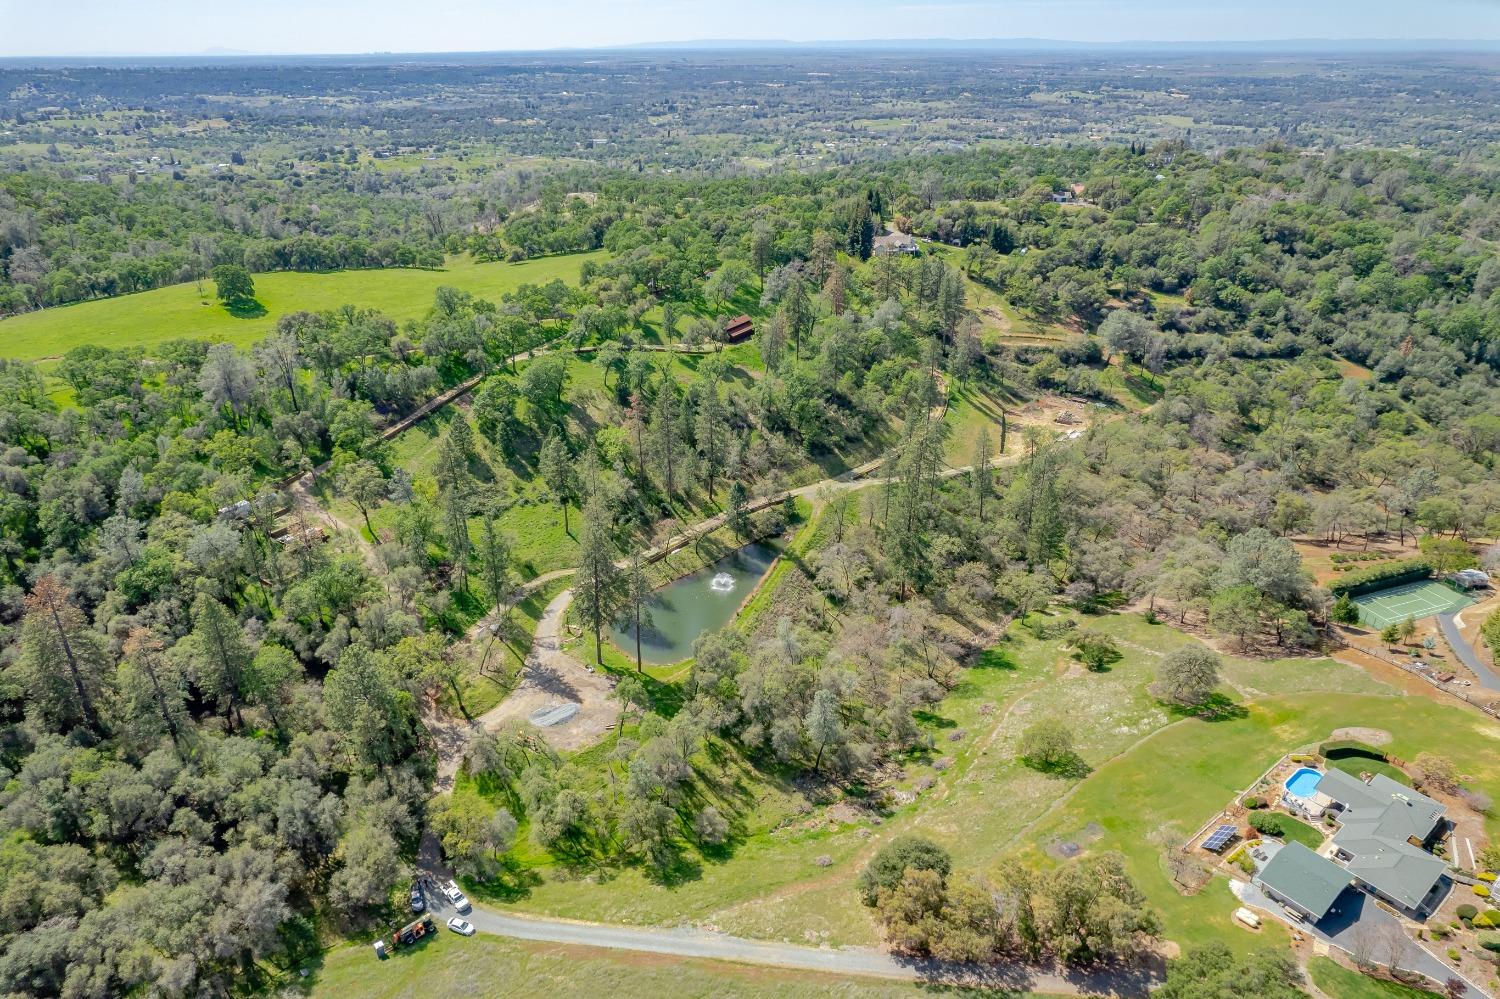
(413, 931)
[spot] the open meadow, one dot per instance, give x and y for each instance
(190, 311)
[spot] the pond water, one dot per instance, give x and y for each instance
(703, 601)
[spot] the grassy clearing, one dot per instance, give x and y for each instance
(180, 312)
(485, 966)
(1338, 982)
(541, 540)
(971, 410)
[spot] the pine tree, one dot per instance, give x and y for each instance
(220, 653)
(638, 596)
(739, 520)
(796, 310)
(64, 663)
(494, 558)
(556, 468)
(712, 435)
(664, 438)
(143, 651)
(597, 585)
(982, 477)
(456, 537)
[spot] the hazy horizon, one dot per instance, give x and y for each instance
(167, 28)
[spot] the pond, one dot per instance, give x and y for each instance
(702, 601)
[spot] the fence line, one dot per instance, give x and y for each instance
(1489, 707)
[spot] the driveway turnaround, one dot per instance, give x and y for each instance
(1359, 927)
(1134, 980)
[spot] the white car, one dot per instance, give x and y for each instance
(452, 893)
(462, 927)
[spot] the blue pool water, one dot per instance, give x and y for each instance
(1304, 782)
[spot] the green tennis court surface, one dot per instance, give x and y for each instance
(1411, 600)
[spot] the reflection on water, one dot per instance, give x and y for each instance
(703, 601)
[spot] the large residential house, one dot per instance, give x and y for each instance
(1382, 847)
(893, 242)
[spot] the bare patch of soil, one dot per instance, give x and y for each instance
(1373, 736)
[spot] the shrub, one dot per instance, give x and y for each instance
(1487, 876)
(1490, 941)
(1094, 649)
(1466, 911)
(1267, 824)
(1453, 955)
(1253, 801)
(1482, 891)
(1378, 577)
(1487, 920)
(892, 861)
(1344, 610)
(1438, 932)
(1046, 745)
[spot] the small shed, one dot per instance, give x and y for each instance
(739, 328)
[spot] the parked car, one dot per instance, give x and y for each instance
(418, 903)
(456, 897)
(462, 927)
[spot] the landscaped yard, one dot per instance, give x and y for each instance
(1357, 765)
(1338, 982)
(1297, 831)
(1167, 785)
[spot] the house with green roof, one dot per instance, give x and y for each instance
(1304, 882)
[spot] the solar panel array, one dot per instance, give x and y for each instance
(1220, 838)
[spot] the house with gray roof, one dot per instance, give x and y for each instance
(1304, 882)
(1385, 833)
(894, 242)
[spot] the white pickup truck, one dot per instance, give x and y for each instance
(456, 897)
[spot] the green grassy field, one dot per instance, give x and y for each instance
(1338, 982)
(480, 967)
(179, 311)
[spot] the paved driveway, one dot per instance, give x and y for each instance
(1360, 928)
(1465, 652)
(1135, 980)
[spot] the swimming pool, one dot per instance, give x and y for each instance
(1304, 782)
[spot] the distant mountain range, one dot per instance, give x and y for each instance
(1065, 45)
(1290, 46)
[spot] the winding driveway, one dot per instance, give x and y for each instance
(1113, 980)
(1451, 626)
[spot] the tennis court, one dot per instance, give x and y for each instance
(1410, 600)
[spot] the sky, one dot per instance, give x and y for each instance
(164, 27)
